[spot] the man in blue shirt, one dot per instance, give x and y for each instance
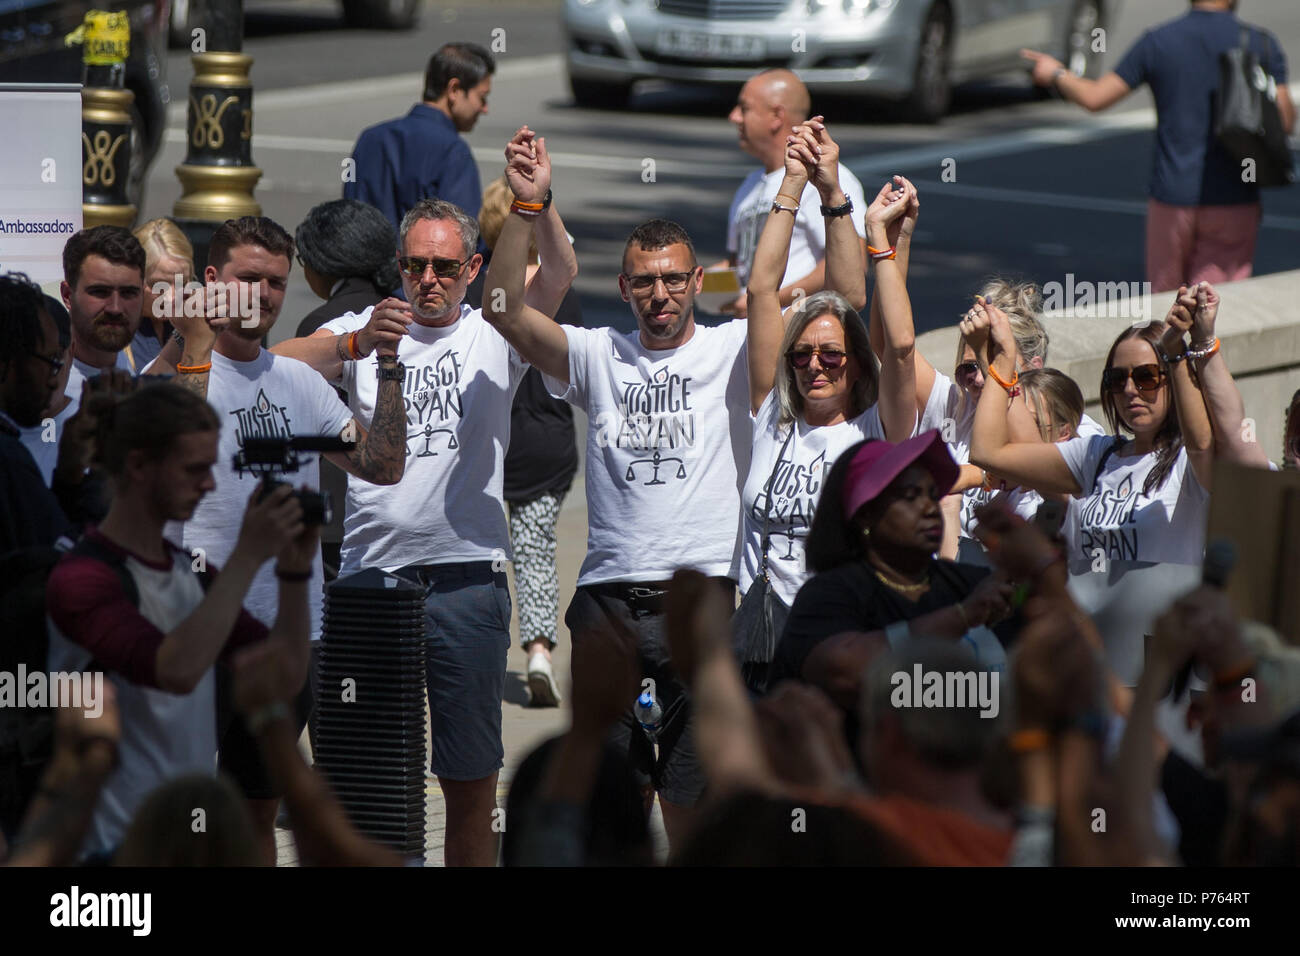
(1203, 213)
(422, 155)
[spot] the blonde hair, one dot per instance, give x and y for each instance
(1023, 304)
(163, 239)
(492, 216)
(1056, 400)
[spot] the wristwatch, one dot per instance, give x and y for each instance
(834, 212)
(392, 371)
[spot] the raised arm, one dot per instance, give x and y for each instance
(326, 351)
(1193, 417)
(1092, 95)
(766, 323)
(1234, 438)
(1034, 465)
(846, 270)
(534, 335)
(898, 410)
(557, 264)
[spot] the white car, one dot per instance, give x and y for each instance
(909, 51)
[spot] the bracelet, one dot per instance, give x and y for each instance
(341, 347)
(1029, 740)
(532, 208)
(1227, 680)
(194, 369)
(1171, 359)
(777, 207)
(879, 254)
(284, 575)
(793, 199)
(258, 719)
(354, 350)
(834, 212)
(1009, 386)
(987, 483)
(1203, 352)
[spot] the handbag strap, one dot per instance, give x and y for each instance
(767, 503)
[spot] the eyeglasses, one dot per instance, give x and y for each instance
(413, 266)
(967, 369)
(673, 281)
(56, 364)
(802, 358)
(1147, 379)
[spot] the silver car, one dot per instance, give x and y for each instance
(908, 51)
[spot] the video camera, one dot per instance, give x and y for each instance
(271, 457)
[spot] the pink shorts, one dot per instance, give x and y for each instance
(1187, 244)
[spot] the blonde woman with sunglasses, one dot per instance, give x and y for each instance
(1137, 528)
(816, 387)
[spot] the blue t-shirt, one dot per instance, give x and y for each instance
(1180, 60)
(417, 156)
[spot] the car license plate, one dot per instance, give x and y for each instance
(709, 46)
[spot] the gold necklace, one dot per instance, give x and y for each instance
(902, 588)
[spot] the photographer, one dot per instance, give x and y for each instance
(260, 395)
(128, 600)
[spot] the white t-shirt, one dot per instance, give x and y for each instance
(668, 440)
(1131, 554)
(460, 383)
(271, 396)
(34, 440)
(752, 204)
(84, 370)
(796, 489)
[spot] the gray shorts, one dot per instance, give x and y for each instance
(467, 637)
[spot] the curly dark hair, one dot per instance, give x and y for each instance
(346, 237)
(21, 301)
(113, 243)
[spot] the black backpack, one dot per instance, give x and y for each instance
(27, 733)
(1247, 122)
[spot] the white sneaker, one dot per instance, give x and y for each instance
(543, 691)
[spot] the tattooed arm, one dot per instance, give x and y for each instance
(379, 455)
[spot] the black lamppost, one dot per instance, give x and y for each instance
(218, 175)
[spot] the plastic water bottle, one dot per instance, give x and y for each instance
(649, 714)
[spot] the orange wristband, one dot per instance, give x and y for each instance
(352, 346)
(1009, 386)
(194, 369)
(1028, 741)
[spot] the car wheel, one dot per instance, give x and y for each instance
(178, 25)
(593, 94)
(381, 14)
(931, 85)
(1080, 58)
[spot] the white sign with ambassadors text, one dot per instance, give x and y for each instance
(40, 178)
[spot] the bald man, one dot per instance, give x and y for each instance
(770, 105)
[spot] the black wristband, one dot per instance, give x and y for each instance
(284, 575)
(834, 212)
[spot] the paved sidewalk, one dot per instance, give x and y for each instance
(522, 727)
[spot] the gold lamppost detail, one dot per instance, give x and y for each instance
(218, 175)
(105, 119)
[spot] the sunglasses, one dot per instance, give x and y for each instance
(413, 266)
(967, 369)
(673, 281)
(1146, 379)
(802, 358)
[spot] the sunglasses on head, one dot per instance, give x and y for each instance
(413, 266)
(830, 358)
(1146, 379)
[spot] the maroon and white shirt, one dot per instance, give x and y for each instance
(164, 735)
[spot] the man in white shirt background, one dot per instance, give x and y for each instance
(770, 105)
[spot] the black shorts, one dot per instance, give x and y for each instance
(238, 754)
(675, 773)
